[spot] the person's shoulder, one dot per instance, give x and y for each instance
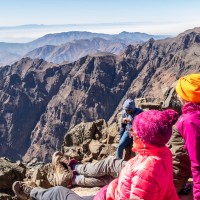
(138, 110)
(191, 119)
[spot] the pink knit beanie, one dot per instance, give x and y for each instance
(155, 127)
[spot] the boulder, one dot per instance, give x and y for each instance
(4, 196)
(95, 147)
(77, 140)
(9, 172)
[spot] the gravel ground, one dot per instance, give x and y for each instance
(84, 191)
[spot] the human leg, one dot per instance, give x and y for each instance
(86, 174)
(124, 142)
(122, 130)
(57, 192)
(108, 166)
(82, 180)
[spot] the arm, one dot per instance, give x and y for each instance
(135, 181)
(110, 193)
(126, 120)
(171, 192)
(143, 188)
(122, 125)
(191, 132)
(146, 186)
(124, 117)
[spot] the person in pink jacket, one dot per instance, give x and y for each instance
(188, 90)
(149, 175)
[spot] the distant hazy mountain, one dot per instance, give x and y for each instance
(62, 38)
(72, 51)
(15, 51)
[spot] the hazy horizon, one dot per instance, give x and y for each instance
(30, 32)
(167, 17)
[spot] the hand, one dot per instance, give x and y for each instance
(125, 120)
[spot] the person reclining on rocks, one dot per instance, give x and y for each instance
(140, 178)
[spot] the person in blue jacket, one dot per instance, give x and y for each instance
(128, 114)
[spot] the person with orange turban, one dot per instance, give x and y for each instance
(188, 90)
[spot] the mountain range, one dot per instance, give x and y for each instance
(64, 45)
(41, 101)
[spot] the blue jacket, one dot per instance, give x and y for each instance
(131, 116)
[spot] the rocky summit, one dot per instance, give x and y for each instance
(41, 102)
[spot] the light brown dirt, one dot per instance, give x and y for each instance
(84, 191)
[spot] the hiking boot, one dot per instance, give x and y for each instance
(23, 189)
(60, 174)
(56, 157)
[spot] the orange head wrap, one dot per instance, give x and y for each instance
(188, 88)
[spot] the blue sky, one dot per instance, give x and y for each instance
(18, 12)
(150, 16)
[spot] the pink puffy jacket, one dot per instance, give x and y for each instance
(189, 127)
(147, 176)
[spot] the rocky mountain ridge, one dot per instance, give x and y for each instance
(11, 52)
(41, 101)
(76, 49)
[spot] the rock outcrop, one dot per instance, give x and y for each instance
(91, 141)
(25, 90)
(92, 90)
(10, 172)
